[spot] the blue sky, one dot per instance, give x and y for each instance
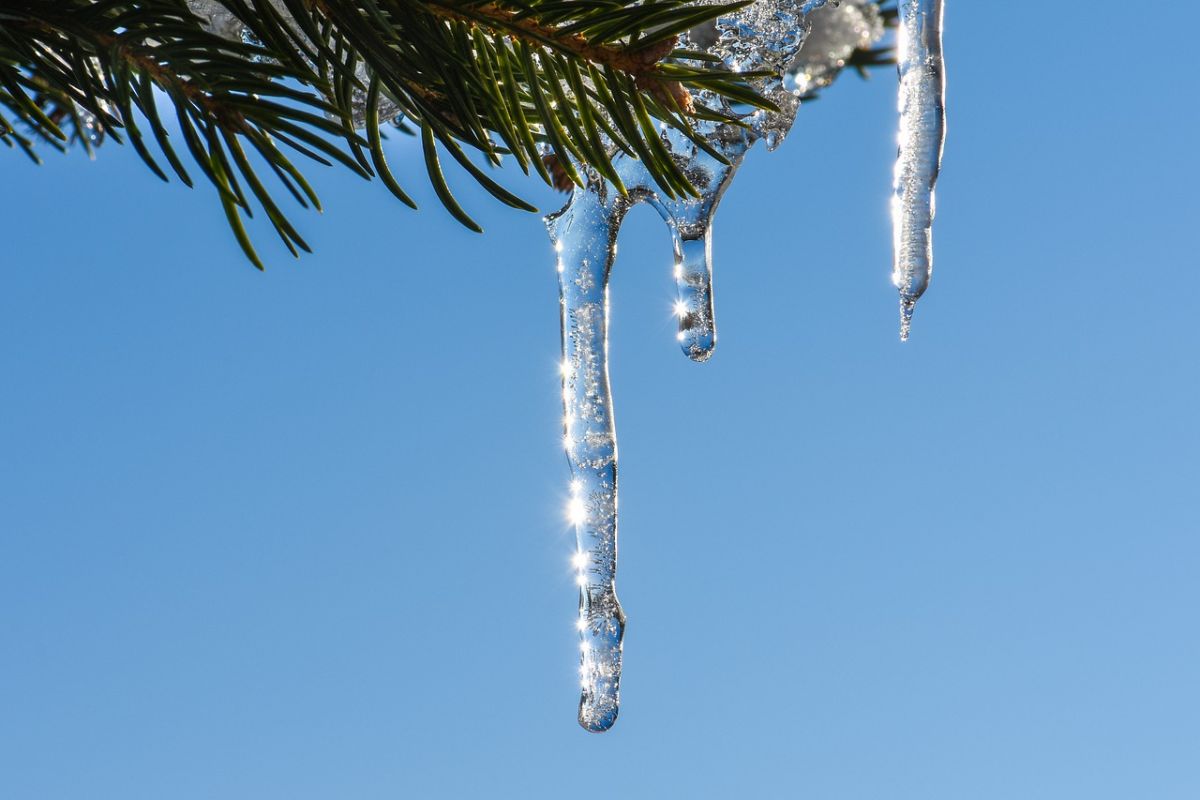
(300, 534)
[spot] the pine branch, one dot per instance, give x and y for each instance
(575, 78)
(99, 58)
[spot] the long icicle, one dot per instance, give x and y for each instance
(584, 235)
(922, 133)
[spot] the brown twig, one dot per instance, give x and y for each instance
(635, 61)
(228, 117)
(638, 62)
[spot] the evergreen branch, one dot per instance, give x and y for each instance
(581, 79)
(109, 63)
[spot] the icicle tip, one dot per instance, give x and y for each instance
(907, 306)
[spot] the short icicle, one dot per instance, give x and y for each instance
(922, 132)
(694, 298)
(690, 222)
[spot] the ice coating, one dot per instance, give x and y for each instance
(217, 18)
(766, 35)
(220, 20)
(922, 109)
(90, 127)
(837, 31)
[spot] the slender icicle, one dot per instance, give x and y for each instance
(922, 132)
(584, 235)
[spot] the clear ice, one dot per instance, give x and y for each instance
(922, 106)
(765, 36)
(837, 31)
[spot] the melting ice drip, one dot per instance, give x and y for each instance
(765, 36)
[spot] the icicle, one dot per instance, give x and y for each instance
(584, 236)
(694, 299)
(922, 131)
(690, 223)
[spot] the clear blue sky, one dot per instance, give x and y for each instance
(300, 534)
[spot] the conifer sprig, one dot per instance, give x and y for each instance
(483, 77)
